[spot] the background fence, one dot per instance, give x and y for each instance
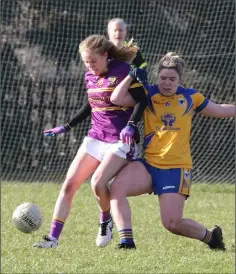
(42, 76)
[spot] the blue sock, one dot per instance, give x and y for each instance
(126, 236)
(208, 237)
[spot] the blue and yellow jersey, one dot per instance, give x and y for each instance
(167, 126)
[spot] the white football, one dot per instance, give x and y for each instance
(27, 217)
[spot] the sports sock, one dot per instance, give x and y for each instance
(126, 236)
(105, 216)
(208, 237)
(56, 228)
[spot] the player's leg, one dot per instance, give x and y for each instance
(80, 169)
(132, 180)
(173, 186)
(116, 156)
(109, 167)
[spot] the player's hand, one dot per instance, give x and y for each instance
(140, 75)
(127, 134)
(54, 131)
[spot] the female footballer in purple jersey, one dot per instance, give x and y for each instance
(166, 166)
(102, 153)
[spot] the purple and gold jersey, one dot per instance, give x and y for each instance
(107, 119)
(167, 126)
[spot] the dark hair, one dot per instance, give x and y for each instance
(100, 45)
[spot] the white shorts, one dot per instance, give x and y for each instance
(98, 149)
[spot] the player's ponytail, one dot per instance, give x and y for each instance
(126, 52)
(172, 60)
(99, 44)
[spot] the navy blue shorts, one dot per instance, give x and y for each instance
(173, 180)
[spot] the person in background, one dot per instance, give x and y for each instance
(117, 32)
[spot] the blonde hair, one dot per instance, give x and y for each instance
(99, 44)
(172, 60)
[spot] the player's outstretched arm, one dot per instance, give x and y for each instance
(82, 114)
(219, 110)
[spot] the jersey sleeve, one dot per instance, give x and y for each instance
(86, 80)
(137, 91)
(121, 72)
(135, 84)
(80, 116)
(199, 101)
(139, 61)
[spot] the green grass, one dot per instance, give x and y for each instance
(158, 251)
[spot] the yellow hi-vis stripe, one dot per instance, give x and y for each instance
(143, 65)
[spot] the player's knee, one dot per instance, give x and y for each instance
(68, 189)
(96, 188)
(97, 184)
(172, 224)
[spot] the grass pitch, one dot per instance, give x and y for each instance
(158, 251)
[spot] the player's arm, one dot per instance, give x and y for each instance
(130, 90)
(130, 132)
(131, 87)
(81, 115)
(219, 110)
(136, 90)
(120, 96)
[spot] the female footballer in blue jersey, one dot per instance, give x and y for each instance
(117, 32)
(101, 153)
(167, 164)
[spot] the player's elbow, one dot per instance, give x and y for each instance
(117, 101)
(125, 101)
(114, 99)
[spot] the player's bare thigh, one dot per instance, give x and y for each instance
(116, 156)
(132, 180)
(109, 167)
(81, 168)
